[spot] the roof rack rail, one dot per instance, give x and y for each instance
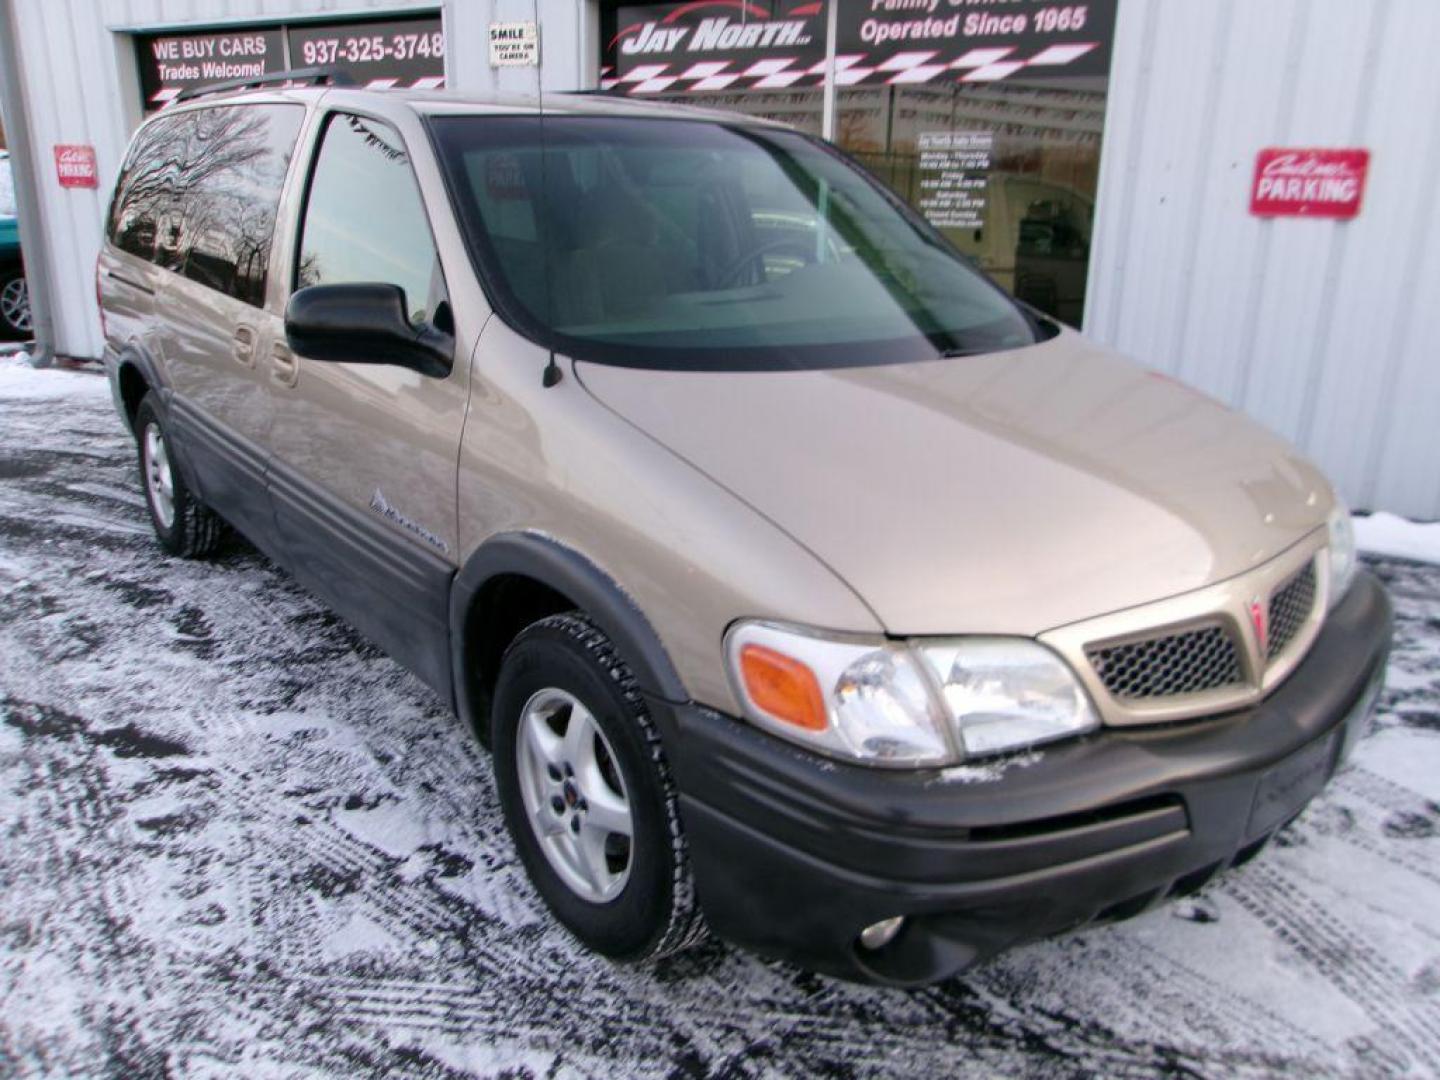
(313, 76)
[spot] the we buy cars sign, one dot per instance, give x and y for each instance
(1309, 182)
(391, 52)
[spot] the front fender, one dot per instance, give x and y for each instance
(566, 571)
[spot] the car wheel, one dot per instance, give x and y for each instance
(15, 304)
(183, 525)
(588, 795)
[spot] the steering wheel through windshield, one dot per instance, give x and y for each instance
(803, 246)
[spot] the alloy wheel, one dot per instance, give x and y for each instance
(15, 304)
(574, 796)
(159, 480)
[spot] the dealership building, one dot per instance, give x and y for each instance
(1237, 194)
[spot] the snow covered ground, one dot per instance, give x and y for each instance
(239, 841)
(1386, 534)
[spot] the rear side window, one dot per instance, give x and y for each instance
(201, 190)
(364, 218)
(147, 184)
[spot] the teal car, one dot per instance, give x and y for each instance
(14, 294)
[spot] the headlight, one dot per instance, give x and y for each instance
(1343, 560)
(926, 704)
(862, 700)
(1004, 693)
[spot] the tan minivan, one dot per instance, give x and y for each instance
(804, 585)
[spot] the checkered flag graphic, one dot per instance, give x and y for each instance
(779, 73)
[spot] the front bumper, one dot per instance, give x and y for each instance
(794, 854)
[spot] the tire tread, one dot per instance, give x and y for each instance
(203, 531)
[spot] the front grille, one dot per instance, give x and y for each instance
(1187, 662)
(1289, 608)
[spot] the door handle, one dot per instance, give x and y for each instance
(284, 368)
(243, 346)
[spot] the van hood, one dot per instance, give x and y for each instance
(1008, 493)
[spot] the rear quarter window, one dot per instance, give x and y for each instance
(145, 185)
(200, 192)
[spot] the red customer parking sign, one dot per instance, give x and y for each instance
(1309, 182)
(75, 166)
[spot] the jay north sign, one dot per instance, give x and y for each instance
(737, 44)
(718, 35)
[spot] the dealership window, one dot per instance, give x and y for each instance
(1007, 172)
(987, 119)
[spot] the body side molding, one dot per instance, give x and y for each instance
(386, 583)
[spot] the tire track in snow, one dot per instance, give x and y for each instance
(1380, 791)
(1341, 956)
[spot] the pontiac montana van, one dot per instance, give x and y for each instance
(806, 588)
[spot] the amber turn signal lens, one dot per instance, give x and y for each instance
(783, 687)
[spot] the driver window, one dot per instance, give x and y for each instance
(364, 219)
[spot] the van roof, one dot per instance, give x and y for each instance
(457, 103)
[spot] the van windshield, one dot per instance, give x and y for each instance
(692, 244)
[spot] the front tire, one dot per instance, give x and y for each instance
(184, 526)
(587, 793)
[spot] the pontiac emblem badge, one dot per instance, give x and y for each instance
(1257, 620)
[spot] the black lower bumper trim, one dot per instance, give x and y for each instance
(794, 854)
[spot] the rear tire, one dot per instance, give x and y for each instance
(184, 526)
(577, 761)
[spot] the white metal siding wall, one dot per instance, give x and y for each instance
(1322, 330)
(81, 87)
(68, 72)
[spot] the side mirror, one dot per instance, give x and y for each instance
(364, 323)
